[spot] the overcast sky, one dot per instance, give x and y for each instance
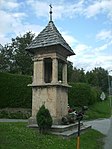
(86, 25)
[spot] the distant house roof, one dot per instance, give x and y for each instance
(48, 37)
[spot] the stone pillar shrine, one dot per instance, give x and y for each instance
(49, 86)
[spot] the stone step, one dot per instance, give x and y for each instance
(63, 128)
(59, 128)
(65, 131)
(71, 133)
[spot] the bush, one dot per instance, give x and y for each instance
(14, 92)
(95, 95)
(81, 94)
(15, 113)
(44, 119)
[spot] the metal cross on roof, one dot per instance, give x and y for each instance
(50, 12)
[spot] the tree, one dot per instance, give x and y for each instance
(69, 71)
(15, 58)
(44, 119)
(98, 77)
(6, 59)
(22, 58)
(78, 75)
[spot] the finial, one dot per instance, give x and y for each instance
(50, 12)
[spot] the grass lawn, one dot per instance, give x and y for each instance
(98, 110)
(18, 136)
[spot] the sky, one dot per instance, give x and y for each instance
(86, 25)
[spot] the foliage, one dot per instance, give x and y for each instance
(18, 136)
(44, 119)
(98, 110)
(95, 95)
(14, 58)
(81, 94)
(14, 91)
(98, 77)
(77, 75)
(15, 113)
(77, 94)
(69, 71)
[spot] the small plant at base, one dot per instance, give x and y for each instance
(44, 119)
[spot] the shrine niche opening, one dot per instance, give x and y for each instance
(60, 71)
(47, 70)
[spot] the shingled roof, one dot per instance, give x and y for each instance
(48, 37)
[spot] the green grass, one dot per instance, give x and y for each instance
(98, 110)
(18, 136)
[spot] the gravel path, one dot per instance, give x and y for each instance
(13, 120)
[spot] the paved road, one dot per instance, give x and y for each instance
(101, 125)
(108, 139)
(105, 127)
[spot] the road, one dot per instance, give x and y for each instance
(101, 125)
(108, 139)
(105, 127)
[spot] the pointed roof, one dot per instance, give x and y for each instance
(48, 37)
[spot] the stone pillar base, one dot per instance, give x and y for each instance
(31, 121)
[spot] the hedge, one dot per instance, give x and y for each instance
(82, 94)
(14, 92)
